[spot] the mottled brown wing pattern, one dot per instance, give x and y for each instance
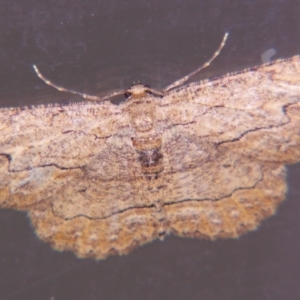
(206, 160)
(56, 164)
(250, 122)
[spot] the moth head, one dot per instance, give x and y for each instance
(141, 90)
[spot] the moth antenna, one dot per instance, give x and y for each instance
(62, 89)
(205, 65)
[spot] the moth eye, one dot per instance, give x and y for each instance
(127, 94)
(148, 92)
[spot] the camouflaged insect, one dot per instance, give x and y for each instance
(202, 160)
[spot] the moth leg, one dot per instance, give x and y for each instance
(62, 89)
(187, 77)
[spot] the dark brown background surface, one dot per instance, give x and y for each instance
(99, 46)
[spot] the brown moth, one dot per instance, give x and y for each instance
(203, 160)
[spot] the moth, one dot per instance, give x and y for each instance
(204, 160)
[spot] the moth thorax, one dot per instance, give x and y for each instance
(143, 122)
(142, 116)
